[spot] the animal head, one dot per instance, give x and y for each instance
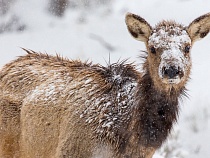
(168, 47)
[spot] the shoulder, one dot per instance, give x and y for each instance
(119, 72)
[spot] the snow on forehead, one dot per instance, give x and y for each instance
(169, 35)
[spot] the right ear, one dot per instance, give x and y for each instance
(199, 28)
(138, 27)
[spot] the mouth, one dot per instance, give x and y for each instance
(172, 81)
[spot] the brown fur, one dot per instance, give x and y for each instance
(58, 108)
(50, 125)
(153, 60)
(139, 32)
(199, 28)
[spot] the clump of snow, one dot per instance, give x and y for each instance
(163, 38)
(174, 57)
(49, 90)
(172, 43)
(109, 110)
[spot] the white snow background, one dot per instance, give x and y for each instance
(94, 33)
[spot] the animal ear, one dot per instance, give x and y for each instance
(138, 27)
(199, 28)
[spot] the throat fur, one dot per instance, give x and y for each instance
(157, 111)
(153, 116)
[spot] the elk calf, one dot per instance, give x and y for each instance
(51, 107)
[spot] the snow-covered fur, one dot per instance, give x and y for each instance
(55, 107)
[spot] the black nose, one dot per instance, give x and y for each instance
(171, 72)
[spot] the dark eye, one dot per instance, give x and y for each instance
(187, 49)
(152, 50)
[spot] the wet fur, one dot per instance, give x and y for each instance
(56, 128)
(58, 108)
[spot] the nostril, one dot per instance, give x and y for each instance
(181, 73)
(164, 71)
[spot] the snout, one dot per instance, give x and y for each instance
(172, 72)
(173, 66)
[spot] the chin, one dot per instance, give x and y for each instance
(171, 82)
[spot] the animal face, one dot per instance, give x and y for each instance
(168, 46)
(169, 53)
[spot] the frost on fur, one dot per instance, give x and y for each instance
(56, 107)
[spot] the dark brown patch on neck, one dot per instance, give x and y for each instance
(154, 114)
(157, 111)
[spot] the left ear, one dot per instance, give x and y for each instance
(199, 28)
(138, 27)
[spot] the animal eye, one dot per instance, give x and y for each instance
(152, 50)
(187, 49)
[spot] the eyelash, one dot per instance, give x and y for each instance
(187, 49)
(152, 50)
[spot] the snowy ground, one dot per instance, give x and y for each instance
(93, 34)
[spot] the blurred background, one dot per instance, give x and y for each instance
(94, 30)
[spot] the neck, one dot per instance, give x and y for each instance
(157, 111)
(154, 114)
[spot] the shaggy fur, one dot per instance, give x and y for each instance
(51, 107)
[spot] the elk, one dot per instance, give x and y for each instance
(52, 107)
